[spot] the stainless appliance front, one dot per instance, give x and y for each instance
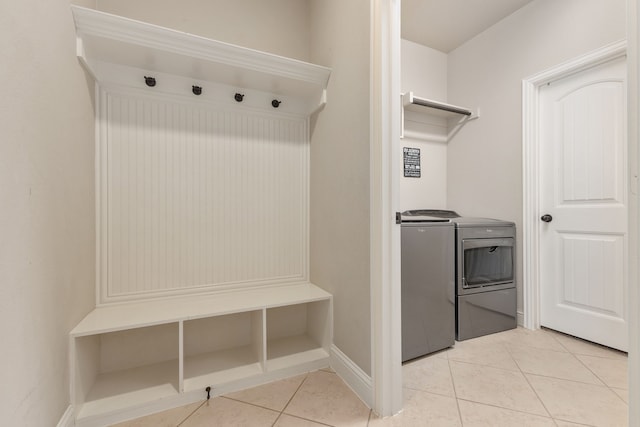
(485, 277)
(428, 286)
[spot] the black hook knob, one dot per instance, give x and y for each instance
(150, 81)
(197, 90)
(546, 218)
(275, 103)
(238, 97)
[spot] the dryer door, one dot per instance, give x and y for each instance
(487, 262)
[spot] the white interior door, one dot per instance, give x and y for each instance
(583, 181)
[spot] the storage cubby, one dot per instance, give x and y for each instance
(116, 370)
(298, 333)
(221, 349)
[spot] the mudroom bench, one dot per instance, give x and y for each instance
(133, 359)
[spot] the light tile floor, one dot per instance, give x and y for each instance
(514, 378)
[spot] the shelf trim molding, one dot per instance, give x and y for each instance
(90, 22)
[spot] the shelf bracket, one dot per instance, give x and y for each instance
(463, 121)
(82, 57)
(321, 102)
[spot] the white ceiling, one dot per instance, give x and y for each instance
(446, 24)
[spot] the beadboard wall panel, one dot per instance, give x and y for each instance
(197, 197)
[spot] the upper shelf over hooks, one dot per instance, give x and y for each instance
(106, 38)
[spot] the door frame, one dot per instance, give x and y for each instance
(531, 166)
(386, 338)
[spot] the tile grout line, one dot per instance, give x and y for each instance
(549, 416)
(583, 364)
(483, 365)
(529, 383)
(574, 422)
(602, 380)
(558, 378)
(429, 391)
(506, 348)
(616, 358)
(567, 380)
(575, 355)
(261, 407)
(307, 419)
(458, 399)
(455, 393)
(568, 337)
(519, 411)
(192, 412)
(558, 341)
(590, 370)
(555, 421)
(248, 403)
(291, 398)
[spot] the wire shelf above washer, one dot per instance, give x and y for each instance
(451, 116)
(436, 108)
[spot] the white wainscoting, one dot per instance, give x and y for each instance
(196, 196)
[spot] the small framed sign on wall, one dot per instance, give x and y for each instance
(411, 162)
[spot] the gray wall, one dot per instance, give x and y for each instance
(47, 249)
(484, 164)
(340, 34)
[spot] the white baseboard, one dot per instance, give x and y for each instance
(520, 315)
(67, 418)
(351, 374)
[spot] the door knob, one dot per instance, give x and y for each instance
(546, 218)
